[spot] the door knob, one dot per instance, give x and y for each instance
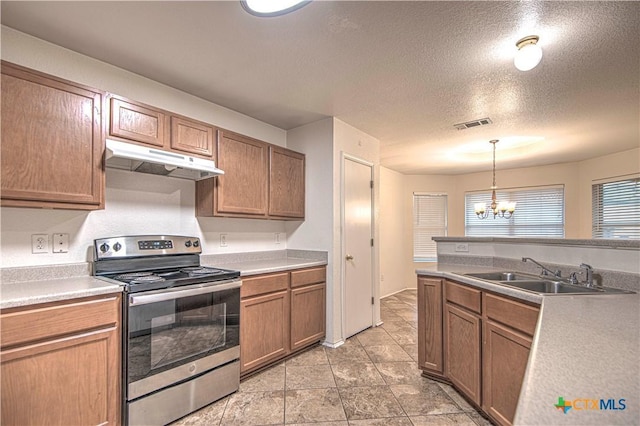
(349, 257)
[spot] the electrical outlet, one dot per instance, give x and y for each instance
(462, 247)
(60, 243)
(223, 240)
(39, 243)
(277, 238)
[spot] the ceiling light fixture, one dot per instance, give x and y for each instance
(499, 209)
(529, 53)
(267, 8)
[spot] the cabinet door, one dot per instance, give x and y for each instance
(191, 136)
(462, 337)
(505, 357)
(137, 122)
(52, 142)
(264, 329)
(430, 345)
(286, 183)
(307, 315)
(242, 190)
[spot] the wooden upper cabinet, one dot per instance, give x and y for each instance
(137, 122)
(286, 183)
(242, 190)
(191, 136)
(52, 142)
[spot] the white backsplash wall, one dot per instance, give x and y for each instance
(136, 203)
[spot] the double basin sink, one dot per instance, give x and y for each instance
(541, 285)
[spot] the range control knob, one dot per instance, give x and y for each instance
(187, 243)
(196, 243)
(117, 246)
(104, 247)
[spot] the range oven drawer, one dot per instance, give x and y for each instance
(174, 402)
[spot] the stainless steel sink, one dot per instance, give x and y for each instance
(502, 276)
(540, 285)
(552, 287)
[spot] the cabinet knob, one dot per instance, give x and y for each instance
(349, 257)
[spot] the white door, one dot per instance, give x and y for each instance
(357, 249)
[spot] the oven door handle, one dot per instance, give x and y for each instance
(173, 294)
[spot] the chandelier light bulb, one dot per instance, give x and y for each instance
(529, 54)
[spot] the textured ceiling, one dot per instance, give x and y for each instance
(403, 72)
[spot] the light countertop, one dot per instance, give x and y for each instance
(585, 347)
(255, 267)
(41, 291)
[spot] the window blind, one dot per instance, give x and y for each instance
(616, 209)
(429, 220)
(539, 213)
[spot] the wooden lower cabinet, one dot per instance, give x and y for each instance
(430, 339)
(60, 363)
(264, 329)
(505, 355)
(280, 313)
(462, 348)
(307, 315)
(485, 340)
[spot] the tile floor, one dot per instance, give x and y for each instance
(372, 379)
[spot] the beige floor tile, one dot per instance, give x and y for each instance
(389, 315)
(424, 399)
(356, 374)
(408, 315)
(370, 402)
(374, 336)
(315, 356)
(309, 377)
(268, 380)
(344, 423)
(457, 398)
(461, 419)
(313, 405)
(209, 415)
(387, 353)
(390, 421)
(412, 350)
(255, 408)
(479, 419)
(405, 336)
(395, 325)
(352, 351)
(400, 373)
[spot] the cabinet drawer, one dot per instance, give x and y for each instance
(19, 327)
(466, 297)
(308, 276)
(513, 314)
(264, 284)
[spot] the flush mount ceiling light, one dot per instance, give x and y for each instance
(267, 8)
(529, 53)
(503, 209)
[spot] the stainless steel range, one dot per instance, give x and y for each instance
(181, 325)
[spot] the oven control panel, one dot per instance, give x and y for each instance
(145, 245)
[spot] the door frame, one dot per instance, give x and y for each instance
(343, 273)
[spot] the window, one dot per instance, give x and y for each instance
(429, 220)
(539, 213)
(616, 209)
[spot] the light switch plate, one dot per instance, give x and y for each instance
(223, 240)
(60, 243)
(462, 247)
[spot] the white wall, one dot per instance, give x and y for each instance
(393, 267)
(316, 232)
(135, 203)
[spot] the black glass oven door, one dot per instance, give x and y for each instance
(178, 326)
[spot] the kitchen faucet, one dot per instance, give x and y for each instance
(585, 269)
(545, 270)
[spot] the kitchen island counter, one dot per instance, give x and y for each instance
(585, 347)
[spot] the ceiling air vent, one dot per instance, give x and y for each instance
(473, 123)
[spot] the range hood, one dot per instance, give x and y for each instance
(138, 158)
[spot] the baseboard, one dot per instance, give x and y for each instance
(333, 345)
(399, 291)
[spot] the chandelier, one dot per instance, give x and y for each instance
(499, 209)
